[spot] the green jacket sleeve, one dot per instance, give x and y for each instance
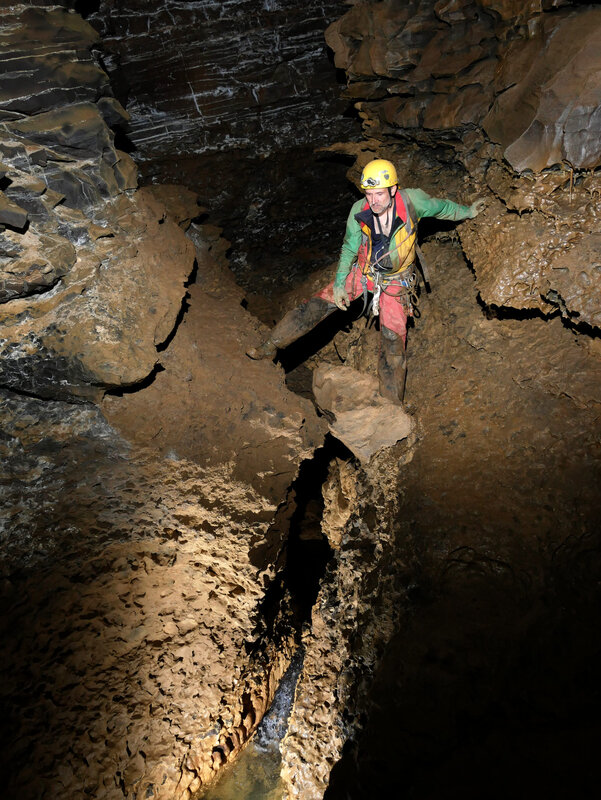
(426, 206)
(350, 245)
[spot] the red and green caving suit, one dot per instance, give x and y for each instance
(355, 263)
(359, 268)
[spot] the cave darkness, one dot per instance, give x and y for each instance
(472, 669)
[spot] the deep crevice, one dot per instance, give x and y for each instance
(71, 400)
(305, 553)
(162, 346)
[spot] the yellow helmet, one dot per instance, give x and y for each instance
(378, 174)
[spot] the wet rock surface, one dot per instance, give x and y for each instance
(139, 539)
(137, 554)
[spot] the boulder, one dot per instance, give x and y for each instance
(363, 420)
(118, 298)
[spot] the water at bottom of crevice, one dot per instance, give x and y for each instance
(255, 775)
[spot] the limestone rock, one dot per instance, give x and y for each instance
(47, 61)
(549, 110)
(118, 299)
(91, 280)
(124, 620)
(364, 420)
(138, 551)
(11, 214)
(198, 80)
(527, 76)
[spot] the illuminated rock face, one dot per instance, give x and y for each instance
(86, 297)
(138, 540)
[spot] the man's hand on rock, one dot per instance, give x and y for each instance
(477, 206)
(341, 297)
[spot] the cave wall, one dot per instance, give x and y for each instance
(204, 76)
(144, 479)
(208, 85)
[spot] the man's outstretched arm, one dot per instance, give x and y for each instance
(426, 206)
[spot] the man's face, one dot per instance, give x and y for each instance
(379, 199)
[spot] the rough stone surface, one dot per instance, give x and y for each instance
(496, 549)
(352, 620)
(136, 556)
(83, 306)
(145, 620)
(363, 420)
(131, 656)
(528, 77)
(118, 298)
(136, 560)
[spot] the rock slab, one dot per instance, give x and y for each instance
(364, 421)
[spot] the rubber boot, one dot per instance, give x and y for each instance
(292, 326)
(392, 366)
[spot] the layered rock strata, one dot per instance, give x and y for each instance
(75, 238)
(205, 76)
(232, 99)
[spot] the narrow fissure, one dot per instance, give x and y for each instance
(288, 603)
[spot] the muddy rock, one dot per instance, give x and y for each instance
(545, 259)
(139, 540)
(139, 543)
(363, 420)
(117, 300)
